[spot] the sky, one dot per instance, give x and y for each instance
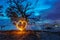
(39, 5)
(3, 2)
(47, 9)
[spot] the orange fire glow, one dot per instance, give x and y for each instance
(21, 24)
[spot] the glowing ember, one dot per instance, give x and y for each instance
(21, 24)
(22, 33)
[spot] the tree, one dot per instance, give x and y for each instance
(16, 10)
(1, 10)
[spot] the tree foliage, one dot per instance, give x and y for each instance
(1, 10)
(17, 7)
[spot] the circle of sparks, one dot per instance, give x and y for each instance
(22, 25)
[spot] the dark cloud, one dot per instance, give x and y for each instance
(54, 12)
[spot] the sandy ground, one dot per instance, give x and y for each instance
(29, 35)
(18, 35)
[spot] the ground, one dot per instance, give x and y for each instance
(18, 35)
(29, 35)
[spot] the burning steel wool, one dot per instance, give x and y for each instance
(21, 24)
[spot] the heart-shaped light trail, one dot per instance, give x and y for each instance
(21, 24)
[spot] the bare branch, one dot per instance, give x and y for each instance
(27, 6)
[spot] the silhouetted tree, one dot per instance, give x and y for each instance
(1, 10)
(1, 7)
(16, 8)
(2, 27)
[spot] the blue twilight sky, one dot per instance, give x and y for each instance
(47, 9)
(40, 6)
